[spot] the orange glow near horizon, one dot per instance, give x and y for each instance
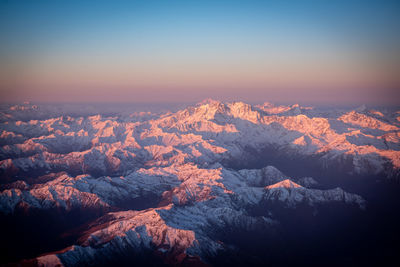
(178, 54)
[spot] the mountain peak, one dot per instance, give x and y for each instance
(284, 184)
(268, 104)
(208, 101)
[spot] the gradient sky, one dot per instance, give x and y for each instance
(185, 51)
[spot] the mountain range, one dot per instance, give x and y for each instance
(214, 183)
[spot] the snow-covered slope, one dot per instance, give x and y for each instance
(207, 133)
(292, 194)
(195, 202)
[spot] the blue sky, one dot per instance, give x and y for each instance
(311, 51)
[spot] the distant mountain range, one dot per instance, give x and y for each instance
(211, 184)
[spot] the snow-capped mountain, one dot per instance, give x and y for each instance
(178, 185)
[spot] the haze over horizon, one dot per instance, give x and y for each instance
(344, 52)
